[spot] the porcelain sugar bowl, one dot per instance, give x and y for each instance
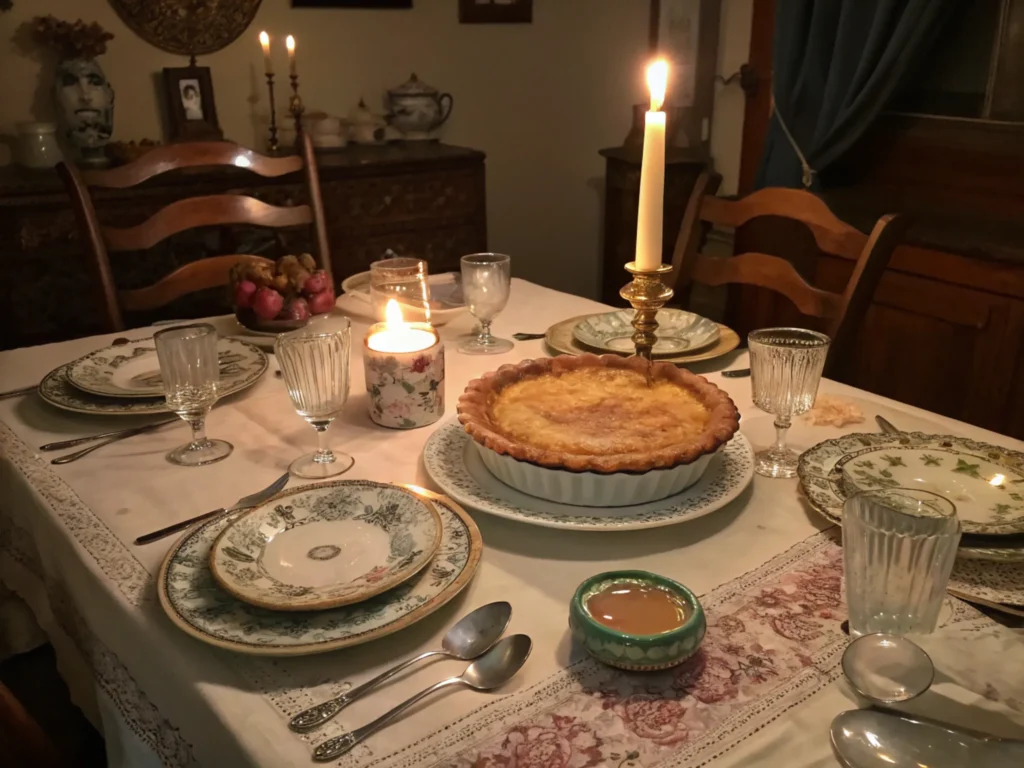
(416, 108)
(364, 126)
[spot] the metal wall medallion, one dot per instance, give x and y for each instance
(188, 27)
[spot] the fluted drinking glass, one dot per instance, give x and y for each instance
(785, 369)
(486, 281)
(317, 372)
(899, 545)
(190, 370)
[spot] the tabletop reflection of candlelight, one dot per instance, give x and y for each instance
(396, 336)
(652, 173)
(290, 45)
(265, 44)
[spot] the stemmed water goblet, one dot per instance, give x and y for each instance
(785, 369)
(316, 370)
(486, 279)
(190, 370)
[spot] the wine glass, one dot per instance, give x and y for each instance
(190, 370)
(785, 368)
(403, 279)
(486, 279)
(316, 370)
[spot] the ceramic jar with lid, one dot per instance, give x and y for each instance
(37, 145)
(416, 108)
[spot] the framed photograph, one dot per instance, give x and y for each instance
(495, 11)
(191, 113)
(371, 4)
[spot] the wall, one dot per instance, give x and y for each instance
(727, 125)
(540, 99)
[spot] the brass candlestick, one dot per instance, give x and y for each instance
(272, 145)
(647, 294)
(295, 106)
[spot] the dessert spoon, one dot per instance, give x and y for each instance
(472, 635)
(492, 670)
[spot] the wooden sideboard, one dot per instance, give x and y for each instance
(421, 199)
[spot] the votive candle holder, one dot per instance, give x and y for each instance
(406, 389)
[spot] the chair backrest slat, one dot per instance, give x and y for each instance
(197, 276)
(171, 157)
(209, 210)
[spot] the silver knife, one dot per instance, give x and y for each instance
(117, 433)
(887, 426)
(251, 500)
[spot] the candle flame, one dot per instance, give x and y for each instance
(393, 315)
(657, 82)
(264, 39)
(289, 43)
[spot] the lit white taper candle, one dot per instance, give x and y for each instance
(652, 173)
(265, 45)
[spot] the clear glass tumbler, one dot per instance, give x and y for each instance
(899, 545)
(486, 281)
(190, 370)
(405, 280)
(785, 369)
(316, 370)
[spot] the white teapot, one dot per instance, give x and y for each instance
(416, 108)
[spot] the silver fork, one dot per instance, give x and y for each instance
(251, 500)
(117, 434)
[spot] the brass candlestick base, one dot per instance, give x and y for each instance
(647, 294)
(272, 144)
(296, 108)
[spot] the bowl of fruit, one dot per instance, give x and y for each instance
(274, 298)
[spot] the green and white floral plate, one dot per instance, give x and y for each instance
(985, 482)
(454, 464)
(678, 331)
(132, 370)
(193, 601)
(56, 390)
(326, 546)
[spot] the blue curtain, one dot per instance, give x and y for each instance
(836, 63)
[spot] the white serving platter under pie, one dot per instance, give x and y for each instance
(326, 546)
(985, 482)
(132, 370)
(678, 332)
(455, 466)
(192, 600)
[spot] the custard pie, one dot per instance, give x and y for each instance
(598, 414)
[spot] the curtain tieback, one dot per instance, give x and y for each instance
(808, 172)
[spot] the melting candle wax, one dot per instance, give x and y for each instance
(638, 609)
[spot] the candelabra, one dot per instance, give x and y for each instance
(647, 294)
(295, 106)
(273, 116)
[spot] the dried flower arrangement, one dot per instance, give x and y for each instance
(71, 40)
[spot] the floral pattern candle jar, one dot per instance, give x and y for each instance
(404, 365)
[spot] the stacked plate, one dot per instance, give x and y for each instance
(985, 483)
(320, 567)
(124, 379)
(683, 337)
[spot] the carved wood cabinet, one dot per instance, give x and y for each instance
(421, 199)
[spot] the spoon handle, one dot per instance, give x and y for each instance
(312, 718)
(339, 745)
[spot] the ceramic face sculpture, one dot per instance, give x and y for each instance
(86, 102)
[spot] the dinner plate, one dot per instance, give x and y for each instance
(455, 466)
(559, 339)
(823, 486)
(679, 332)
(56, 390)
(326, 546)
(132, 370)
(192, 600)
(446, 299)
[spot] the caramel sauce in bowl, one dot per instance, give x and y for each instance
(637, 620)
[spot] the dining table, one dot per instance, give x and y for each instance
(762, 690)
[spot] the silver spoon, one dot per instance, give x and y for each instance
(468, 638)
(492, 670)
(868, 738)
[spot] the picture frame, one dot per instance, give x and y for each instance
(191, 111)
(495, 11)
(365, 4)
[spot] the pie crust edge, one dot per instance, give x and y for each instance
(474, 413)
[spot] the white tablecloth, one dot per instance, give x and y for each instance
(767, 690)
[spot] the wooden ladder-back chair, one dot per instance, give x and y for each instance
(189, 213)
(843, 312)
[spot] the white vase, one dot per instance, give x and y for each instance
(37, 145)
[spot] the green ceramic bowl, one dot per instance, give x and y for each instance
(637, 653)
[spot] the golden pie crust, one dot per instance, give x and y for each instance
(595, 413)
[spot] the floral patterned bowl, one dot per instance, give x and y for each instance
(636, 653)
